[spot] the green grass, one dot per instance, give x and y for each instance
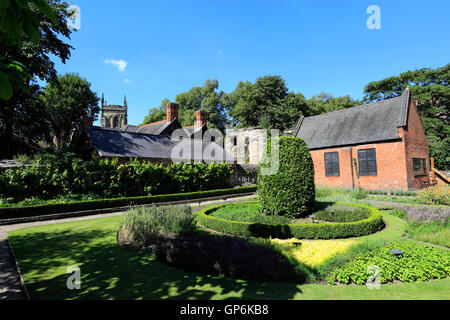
(435, 233)
(111, 272)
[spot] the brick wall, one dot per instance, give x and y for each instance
(391, 167)
(416, 147)
(394, 160)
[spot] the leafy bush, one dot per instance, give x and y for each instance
(228, 256)
(373, 223)
(324, 192)
(55, 175)
(337, 261)
(439, 194)
(426, 214)
(290, 191)
(427, 223)
(273, 220)
(32, 211)
(342, 213)
(399, 213)
(418, 263)
(358, 194)
(433, 232)
(145, 226)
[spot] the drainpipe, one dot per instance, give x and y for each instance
(351, 166)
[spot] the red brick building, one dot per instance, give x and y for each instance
(384, 140)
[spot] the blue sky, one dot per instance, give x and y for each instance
(315, 45)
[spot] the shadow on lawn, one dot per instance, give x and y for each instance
(109, 271)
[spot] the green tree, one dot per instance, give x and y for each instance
(267, 102)
(31, 35)
(431, 91)
(156, 114)
(325, 102)
(206, 98)
(20, 21)
(66, 100)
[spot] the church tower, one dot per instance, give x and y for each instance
(114, 116)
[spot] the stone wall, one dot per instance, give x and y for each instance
(246, 145)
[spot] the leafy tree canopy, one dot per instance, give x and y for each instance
(66, 100)
(267, 102)
(325, 102)
(431, 91)
(31, 34)
(206, 98)
(21, 22)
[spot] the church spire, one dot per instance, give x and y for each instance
(125, 105)
(103, 99)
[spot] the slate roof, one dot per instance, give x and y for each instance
(115, 143)
(190, 131)
(155, 127)
(374, 122)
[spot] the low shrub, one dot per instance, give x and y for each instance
(373, 223)
(399, 213)
(342, 213)
(141, 227)
(272, 220)
(426, 214)
(358, 194)
(392, 192)
(32, 211)
(338, 260)
(227, 256)
(433, 232)
(418, 263)
(324, 192)
(439, 195)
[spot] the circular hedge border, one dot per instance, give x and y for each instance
(338, 230)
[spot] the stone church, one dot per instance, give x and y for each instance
(114, 116)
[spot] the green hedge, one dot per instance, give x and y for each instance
(290, 191)
(359, 228)
(9, 213)
(63, 174)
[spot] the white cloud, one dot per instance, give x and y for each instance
(127, 80)
(120, 64)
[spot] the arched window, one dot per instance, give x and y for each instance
(115, 122)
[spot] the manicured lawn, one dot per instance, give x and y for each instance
(111, 272)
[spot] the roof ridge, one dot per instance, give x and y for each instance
(358, 106)
(149, 124)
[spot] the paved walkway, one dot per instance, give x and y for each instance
(10, 288)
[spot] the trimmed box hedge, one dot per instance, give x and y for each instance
(373, 223)
(32, 211)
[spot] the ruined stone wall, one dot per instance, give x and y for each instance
(246, 145)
